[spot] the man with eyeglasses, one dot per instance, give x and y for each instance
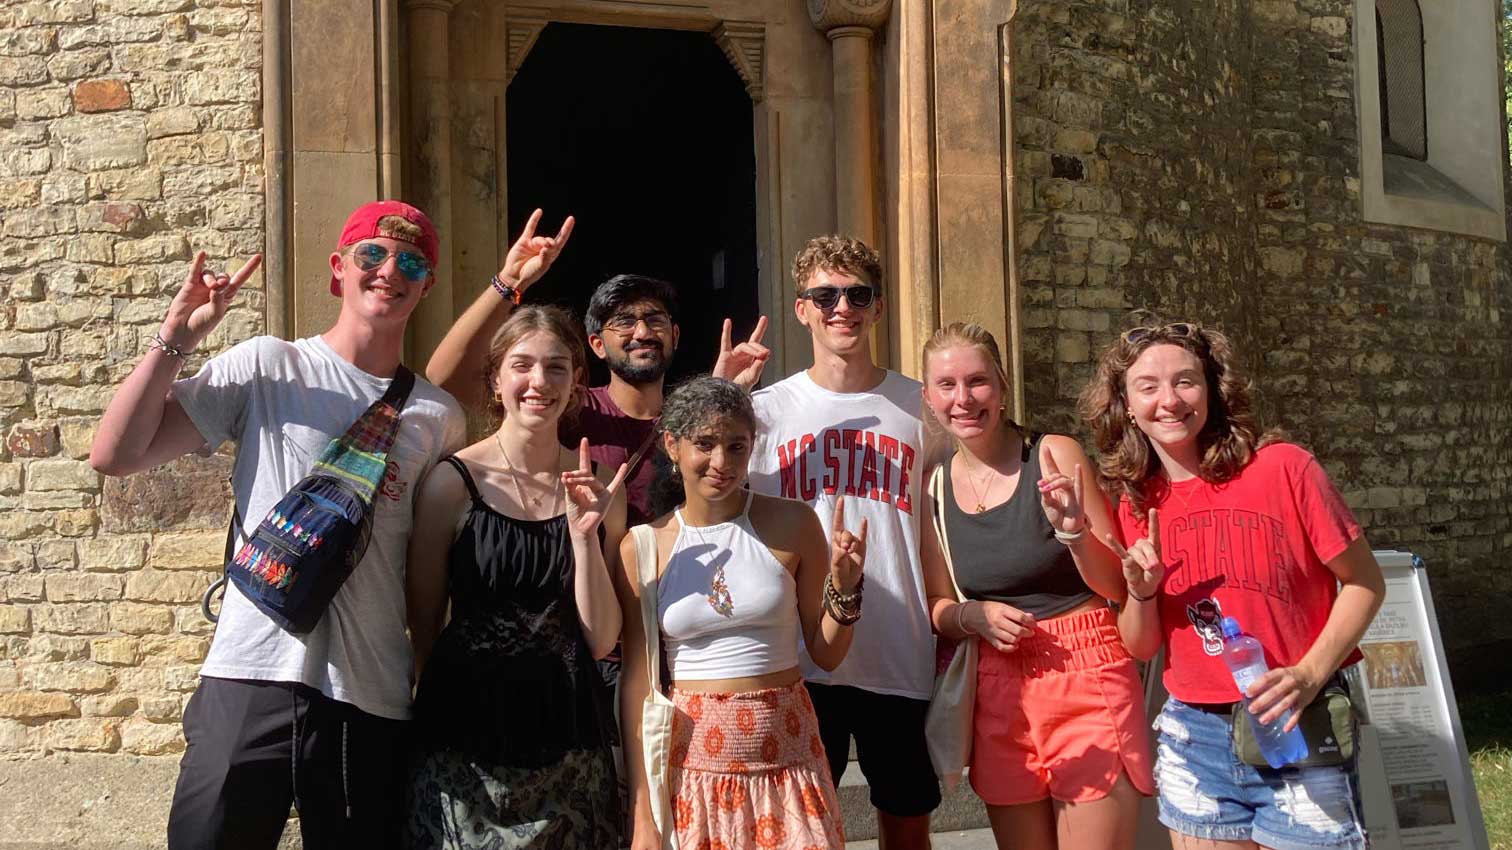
(315, 719)
(847, 426)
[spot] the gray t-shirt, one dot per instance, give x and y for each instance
(283, 402)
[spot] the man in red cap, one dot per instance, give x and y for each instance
(316, 719)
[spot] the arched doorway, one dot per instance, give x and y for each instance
(646, 137)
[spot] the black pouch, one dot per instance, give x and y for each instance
(1329, 725)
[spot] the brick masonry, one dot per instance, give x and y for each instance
(129, 137)
(1201, 160)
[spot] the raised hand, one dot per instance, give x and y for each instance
(847, 551)
(531, 255)
(1142, 567)
(742, 364)
(201, 302)
(998, 623)
(587, 497)
(1061, 495)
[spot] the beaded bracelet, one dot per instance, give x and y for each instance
(507, 292)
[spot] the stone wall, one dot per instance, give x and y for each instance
(1201, 160)
(129, 136)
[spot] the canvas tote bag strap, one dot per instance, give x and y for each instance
(645, 561)
(937, 495)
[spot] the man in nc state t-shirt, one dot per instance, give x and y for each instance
(1253, 548)
(848, 428)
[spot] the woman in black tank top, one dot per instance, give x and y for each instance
(512, 722)
(1014, 560)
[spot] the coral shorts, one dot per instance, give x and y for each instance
(1061, 716)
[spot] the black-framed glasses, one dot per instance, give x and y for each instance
(624, 323)
(1135, 336)
(371, 255)
(858, 295)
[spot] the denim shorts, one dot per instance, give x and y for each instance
(1206, 792)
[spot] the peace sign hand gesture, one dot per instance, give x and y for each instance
(1061, 495)
(847, 551)
(1142, 567)
(531, 256)
(587, 497)
(742, 364)
(201, 302)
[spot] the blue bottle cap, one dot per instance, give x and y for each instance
(1231, 627)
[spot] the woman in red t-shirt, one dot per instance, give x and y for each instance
(1222, 520)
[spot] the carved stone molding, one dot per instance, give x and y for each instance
(443, 6)
(829, 14)
(524, 25)
(744, 42)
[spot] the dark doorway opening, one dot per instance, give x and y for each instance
(646, 137)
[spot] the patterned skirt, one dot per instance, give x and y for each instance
(459, 803)
(748, 771)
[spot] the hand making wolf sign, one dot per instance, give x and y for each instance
(1061, 495)
(588, 498)
(201, 302)
(742, 364)
(1142, 566)
(847, 551)
(531, 255)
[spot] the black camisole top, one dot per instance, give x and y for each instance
(511, 679)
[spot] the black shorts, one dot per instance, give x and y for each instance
(890, 746)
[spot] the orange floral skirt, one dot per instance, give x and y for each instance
(748, 771)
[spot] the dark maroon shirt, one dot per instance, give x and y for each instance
(613, 437)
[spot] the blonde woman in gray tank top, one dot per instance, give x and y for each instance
(1060, 747)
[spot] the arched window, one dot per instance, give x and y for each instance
(1399, 67)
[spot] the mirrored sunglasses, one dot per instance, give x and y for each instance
(371, 255)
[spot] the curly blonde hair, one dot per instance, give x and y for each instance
(1127, 465)
(550, 320)
(836, 254)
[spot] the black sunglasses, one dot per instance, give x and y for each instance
(859, 296)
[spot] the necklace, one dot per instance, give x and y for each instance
(514, 476)
(719, 589)
(981, 498)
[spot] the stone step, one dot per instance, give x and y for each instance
(970, 839)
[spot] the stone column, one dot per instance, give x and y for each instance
(430, 173)
(850, 25)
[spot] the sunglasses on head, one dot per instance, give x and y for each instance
(371, 255)
(859, 296)
(1135, 336)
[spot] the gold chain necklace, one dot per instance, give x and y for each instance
(514, 475)
(981, 498)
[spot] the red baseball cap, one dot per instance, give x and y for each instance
(363, 224)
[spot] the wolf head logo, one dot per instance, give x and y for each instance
(1207, 619)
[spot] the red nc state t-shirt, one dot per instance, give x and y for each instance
(1252, 548)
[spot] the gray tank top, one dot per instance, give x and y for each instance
(1008, 553)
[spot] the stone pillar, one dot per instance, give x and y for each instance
(430, 172)
(850, 25)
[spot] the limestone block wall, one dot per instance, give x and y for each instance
(129, 137)
(1201, 159)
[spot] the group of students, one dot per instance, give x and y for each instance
(826, 530)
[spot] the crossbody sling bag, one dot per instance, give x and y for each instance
(305, 548)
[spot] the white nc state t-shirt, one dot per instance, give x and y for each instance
(814, 445)
(282, 403)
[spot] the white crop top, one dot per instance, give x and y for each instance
(727, 607)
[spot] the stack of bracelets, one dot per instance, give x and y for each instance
(844, 608)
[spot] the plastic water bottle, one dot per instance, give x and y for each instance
(1246, 659)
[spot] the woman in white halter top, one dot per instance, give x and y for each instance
(741, 577)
